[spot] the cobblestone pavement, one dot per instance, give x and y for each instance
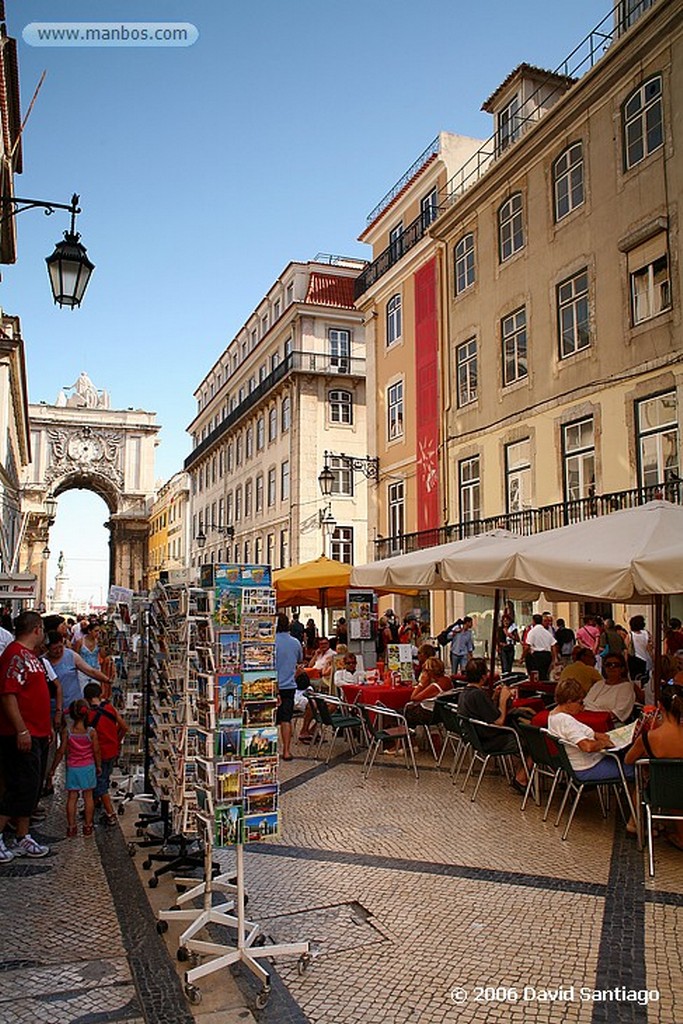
(411, 896)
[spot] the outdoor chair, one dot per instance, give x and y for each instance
(546, 764)
(447, 714)
(660, 795)
(471, 732)
(373, 717)
(428, 705)
(577, 786)
(343, 721)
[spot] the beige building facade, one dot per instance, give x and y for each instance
(399, 294)
(288, 388)
(563, 379)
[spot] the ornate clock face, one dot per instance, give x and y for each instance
(85, 449)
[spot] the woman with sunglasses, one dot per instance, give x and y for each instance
(615, 692)
(665, 740)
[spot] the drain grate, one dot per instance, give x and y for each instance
(329, 929)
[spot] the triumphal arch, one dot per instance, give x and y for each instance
(80, 442)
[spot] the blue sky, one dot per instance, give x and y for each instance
(203, 170)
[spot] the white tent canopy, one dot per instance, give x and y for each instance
(628, 556)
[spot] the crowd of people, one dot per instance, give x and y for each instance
(56, 679)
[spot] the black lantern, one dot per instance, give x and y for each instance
(326, 480)
(69, 269)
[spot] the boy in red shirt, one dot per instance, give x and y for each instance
(110, 729)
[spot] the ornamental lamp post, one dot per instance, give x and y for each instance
(69, 268)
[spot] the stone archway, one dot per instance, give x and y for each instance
(81, 443)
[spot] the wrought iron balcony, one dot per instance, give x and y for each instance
(295, 362)
(409, 237)
(531, 520)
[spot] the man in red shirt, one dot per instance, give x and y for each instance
(25, 729)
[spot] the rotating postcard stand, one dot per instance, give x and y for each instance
(237, 792)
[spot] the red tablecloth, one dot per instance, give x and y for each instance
(395, 697)
(599, 721)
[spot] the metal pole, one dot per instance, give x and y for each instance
(658, 630)
(494, 633)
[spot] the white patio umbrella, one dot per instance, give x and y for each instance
(628, 556)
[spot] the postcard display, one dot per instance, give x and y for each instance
(232, 699)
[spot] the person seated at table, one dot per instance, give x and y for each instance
(475, 702)
(424, 652)
(664, 740)
(582, 668)
(588, 761)
(349, 672)
(615, 693)
(321, 662)
(432, 683)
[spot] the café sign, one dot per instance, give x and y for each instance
(18, 586)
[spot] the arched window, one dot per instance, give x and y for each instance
(464, 263)
(511, 227)
(568, 180)
(393, 319)
(643, 122)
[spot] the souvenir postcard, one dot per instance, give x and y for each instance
(206, 717)
(193, 743)
(242, 575)
(259, 771)
(227, 609)
(228, 781)
(204, 801)
(228, 696)
(259, 601)
(258, 627)
(227, 822)
(259, 712)
(204, 773)
(206, 576)
(228, 652)
(259, 742)
(204, 687)
(205, 660)
(227, 738)
(259, 685)
(256, 827)
(260, 799)
(258, 655)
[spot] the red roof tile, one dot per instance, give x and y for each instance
(330, 290)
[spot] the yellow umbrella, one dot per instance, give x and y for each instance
(322, 582)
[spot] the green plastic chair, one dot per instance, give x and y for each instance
(661, 797)
(546, 763)
(341, 722)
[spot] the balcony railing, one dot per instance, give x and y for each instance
(532, 520)
(295, 362)
(394, 252)
(429, 152)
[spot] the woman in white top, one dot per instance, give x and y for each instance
(585, 755)
(615, 692)
(640, 657)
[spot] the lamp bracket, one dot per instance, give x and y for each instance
(367, 465)
(18, 205)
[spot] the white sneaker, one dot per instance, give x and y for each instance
(6, 855)
(28, 847)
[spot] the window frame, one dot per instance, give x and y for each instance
(572, 302)
(396, 513)
(511, 227)
(395, 410)
(520, 472)
(641, 116)
(341, 545)
(464, 265)
(394, 319)
(518, 330)
(336, 400)
(659, 431)
(429, 208)
(508, 124)
(578, 453)
(339, 344)
(465, 363)
(647, 267)
(564, 177)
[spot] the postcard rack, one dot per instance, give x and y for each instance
(232, 690)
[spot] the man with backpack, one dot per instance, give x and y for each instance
(110, 728)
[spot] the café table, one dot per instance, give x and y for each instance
(394, 697)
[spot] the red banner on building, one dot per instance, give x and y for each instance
(427, 396)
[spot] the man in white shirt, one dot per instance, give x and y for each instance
(349, 673)
(540, 649)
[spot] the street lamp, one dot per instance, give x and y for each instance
(46, 553)
(229, 532)
(68, 267)
(51, 508)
